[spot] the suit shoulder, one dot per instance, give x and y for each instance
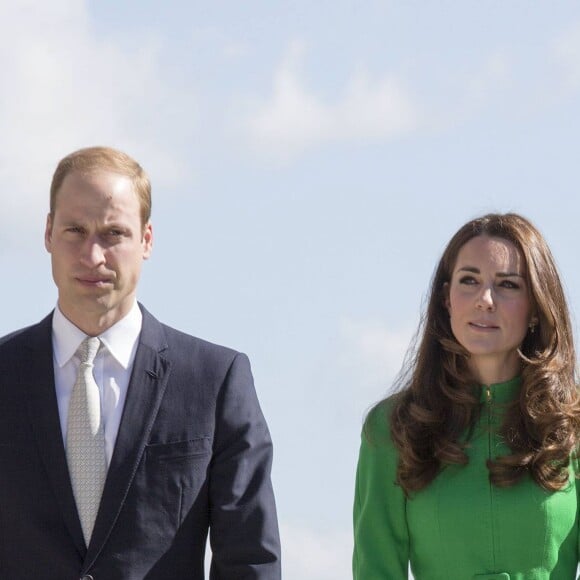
(21, 337)
(7, 338)
(204, 349)
(187, 351)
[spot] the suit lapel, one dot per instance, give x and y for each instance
(38, 376)
(145, 392)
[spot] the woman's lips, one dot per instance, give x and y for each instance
(483, 326)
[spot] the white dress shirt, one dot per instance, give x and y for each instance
(112, 370)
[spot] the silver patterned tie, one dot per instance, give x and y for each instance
(85, 439)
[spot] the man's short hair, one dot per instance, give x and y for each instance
(93, 159)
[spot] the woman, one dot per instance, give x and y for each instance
(468, 471)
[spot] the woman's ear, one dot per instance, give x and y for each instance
(446, 300)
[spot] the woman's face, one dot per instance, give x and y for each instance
(489, 305)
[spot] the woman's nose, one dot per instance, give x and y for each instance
(485, 299)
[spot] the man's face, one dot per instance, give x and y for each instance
(97, 244)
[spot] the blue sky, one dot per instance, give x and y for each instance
(309, 162)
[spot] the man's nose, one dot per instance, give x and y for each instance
(92, 253)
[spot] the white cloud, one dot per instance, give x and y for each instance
(295, 118)
(235, 50)
(567, 54)
(374, 354)
(309, 554)
(489, 79)
(469, 95)
(64, 87)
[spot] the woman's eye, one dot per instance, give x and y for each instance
(467, 280)
(509, 284)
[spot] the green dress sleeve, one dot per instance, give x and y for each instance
(576, 466)
(381, 539)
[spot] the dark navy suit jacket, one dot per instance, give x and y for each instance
(193, 454)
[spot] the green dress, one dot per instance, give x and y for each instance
(460, 526)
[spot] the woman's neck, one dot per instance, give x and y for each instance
(491, 372)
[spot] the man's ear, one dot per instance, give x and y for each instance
(147, 240)
(48, 234)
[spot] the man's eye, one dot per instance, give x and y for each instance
(114, 233)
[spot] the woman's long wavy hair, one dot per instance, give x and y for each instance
(437, 404)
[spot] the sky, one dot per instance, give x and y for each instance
(309, 161)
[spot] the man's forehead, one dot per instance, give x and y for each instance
(101, 195)
(95, 175)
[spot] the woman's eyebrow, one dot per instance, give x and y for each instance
(508, 274)
(471, 269)
(475, 270)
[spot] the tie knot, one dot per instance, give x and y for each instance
(88, 349)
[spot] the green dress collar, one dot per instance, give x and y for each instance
(501, 392)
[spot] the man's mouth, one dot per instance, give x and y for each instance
(93, 281)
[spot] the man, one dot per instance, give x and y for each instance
(118, 454)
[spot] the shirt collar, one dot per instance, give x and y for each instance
(120, 339)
